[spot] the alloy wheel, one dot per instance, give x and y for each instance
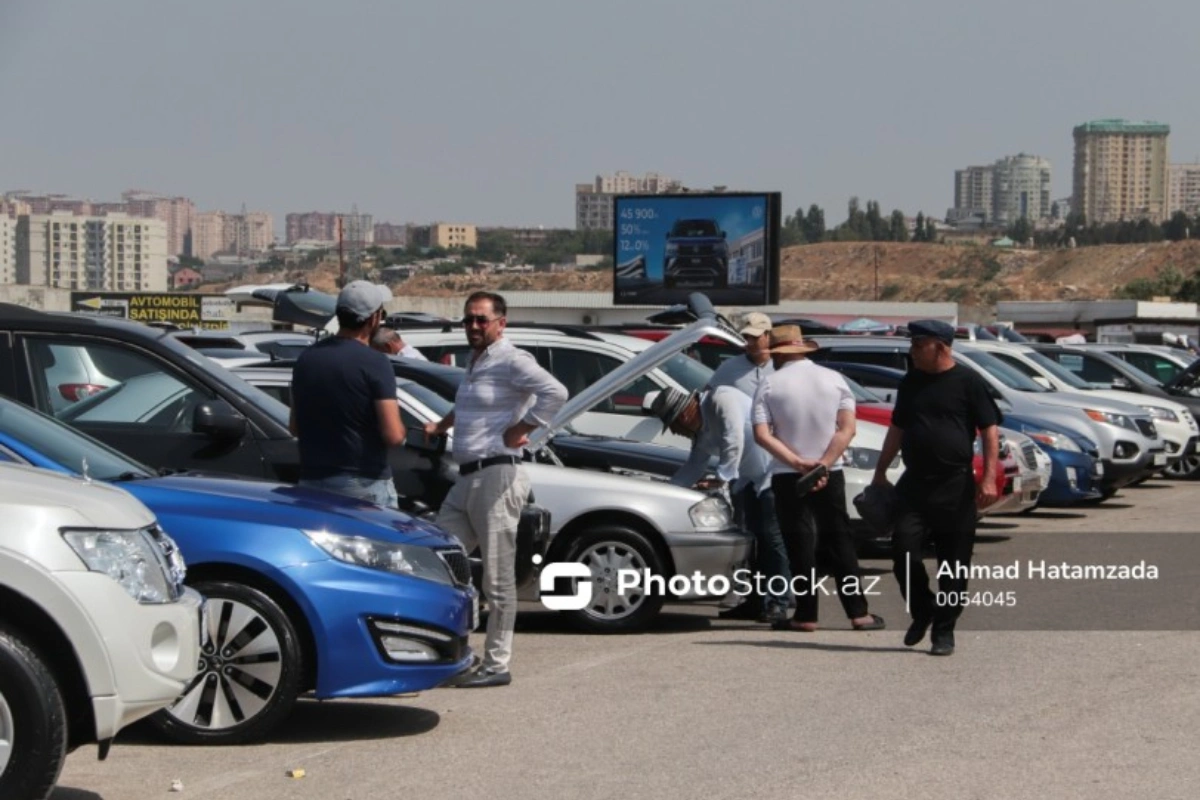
(7, 733)
(606, 560)
(238, 671)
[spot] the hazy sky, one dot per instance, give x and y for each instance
(490, 111)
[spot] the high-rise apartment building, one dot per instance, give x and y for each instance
(1184, 181)
(1120, 170)
(972, 194)
(114, 252)
(1001, 193)
(1020, 188)
(176, 212)
(594, 201)
(387, 233)
(8, 249)
(247, 233)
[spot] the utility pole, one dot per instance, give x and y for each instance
(341, 254)
(876, 273)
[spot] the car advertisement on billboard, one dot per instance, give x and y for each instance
(666, 246)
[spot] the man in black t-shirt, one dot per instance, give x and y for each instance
(344, 408)
(939, 407)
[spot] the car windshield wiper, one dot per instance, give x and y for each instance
(131, 476)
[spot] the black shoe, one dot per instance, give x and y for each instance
(916, 631)
(770, 616)
(943, 644)
(481, 678)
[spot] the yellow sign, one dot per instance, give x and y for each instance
(207, 311)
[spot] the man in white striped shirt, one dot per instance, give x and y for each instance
(504, 397)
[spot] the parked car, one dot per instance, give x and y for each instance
(598, 517)
(307, 591)
(1161, 362)
(1174, 421)
(696, 255)
(1125, 434)
(96, 628)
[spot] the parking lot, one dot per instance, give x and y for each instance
(711, 708)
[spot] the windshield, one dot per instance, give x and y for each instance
(1006, 374)
(64, 445)
(1057, 370)
(687, 372)
(694, 227)
(1143, 377)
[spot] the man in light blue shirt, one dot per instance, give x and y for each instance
(718, 423)
(746, 371)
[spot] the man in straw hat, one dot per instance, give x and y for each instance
(804, 416)
(718, 423)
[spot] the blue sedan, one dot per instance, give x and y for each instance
(307, 591)
(1076, 467)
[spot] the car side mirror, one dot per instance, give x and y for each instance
(218, 420)
(1043, 381)
(1123, 384)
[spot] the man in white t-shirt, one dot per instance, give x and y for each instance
(803, 416)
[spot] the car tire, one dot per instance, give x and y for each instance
(249, 672)
(33, 725)
(604, 549)
(1186, 468)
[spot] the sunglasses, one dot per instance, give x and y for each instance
(479, 320)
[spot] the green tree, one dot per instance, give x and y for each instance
(931, 234)
(1178, 227)
(899, 228)
(814, 224)
(1021, 230)
(919, 232)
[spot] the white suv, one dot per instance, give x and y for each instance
(96, 627)
(579, 358)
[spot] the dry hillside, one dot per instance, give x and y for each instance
(969, 274)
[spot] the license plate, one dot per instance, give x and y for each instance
(1160, 459)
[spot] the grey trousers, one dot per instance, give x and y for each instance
(483, 510)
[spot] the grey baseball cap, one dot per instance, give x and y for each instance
(363, 298)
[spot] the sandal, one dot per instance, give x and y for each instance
(876, 624)
(793, 625)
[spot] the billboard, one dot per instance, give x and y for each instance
(208, 311)
(666, 246)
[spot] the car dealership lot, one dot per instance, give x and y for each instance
(715, 708)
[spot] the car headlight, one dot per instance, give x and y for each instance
(128, 557)
(711, 513)
(1054, 441)
(403, 559)
(1165, 414)
(1120, 420)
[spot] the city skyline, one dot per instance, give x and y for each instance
(473, 112)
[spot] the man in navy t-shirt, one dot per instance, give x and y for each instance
(344, 409)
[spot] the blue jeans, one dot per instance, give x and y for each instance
(380, 491)
(771, 558)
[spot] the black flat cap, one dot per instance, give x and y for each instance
(932, 327)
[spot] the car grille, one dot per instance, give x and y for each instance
(1147, 428)
(459, 564)
(1029, 454)
(171, 559)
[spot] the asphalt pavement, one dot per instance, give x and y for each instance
(708, 708)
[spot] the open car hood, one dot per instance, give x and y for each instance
(707, 322)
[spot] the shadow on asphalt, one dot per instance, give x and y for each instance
(1046, 514)
(780, 644)
(316, 721)
(67, 793)
(986, 538)
(1109, 506)
(1152, 486)
(665, 622)
(989, 525)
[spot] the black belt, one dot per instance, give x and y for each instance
(475, 466)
